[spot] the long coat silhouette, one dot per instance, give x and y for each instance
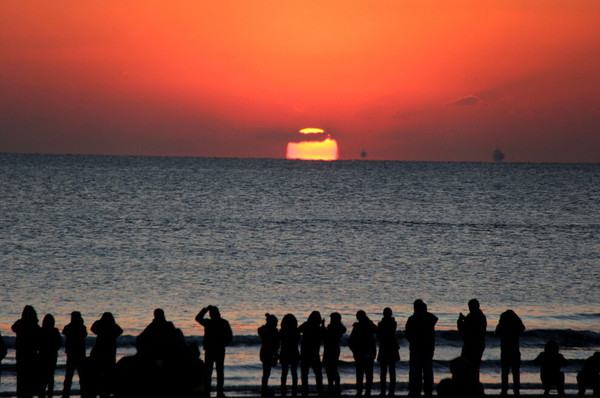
(364, 349)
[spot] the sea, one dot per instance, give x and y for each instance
(256, 236)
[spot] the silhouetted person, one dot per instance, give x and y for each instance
(509, 328)
(363, 346)
(50, 343)
(27, 346)
(472, 330)
(152, 342)
(269, 346)
(550, 361)
(331, 352)
(313, 332)
(388, 350)
(197, 371)
(180, 368)
(104, 352)
(289, 355)
(589, 376)
(217, 336)
(75, 334)
(3, 352)
(180, 373)
(420, 333)
(463, 384)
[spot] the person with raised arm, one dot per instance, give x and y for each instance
(217, 336)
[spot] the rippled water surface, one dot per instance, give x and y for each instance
(127, 235)
(130, 234)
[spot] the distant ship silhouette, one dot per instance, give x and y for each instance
(363, 154)
(498, 155)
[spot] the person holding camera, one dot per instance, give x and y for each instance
(217, 336)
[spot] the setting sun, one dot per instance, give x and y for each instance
(323, 149)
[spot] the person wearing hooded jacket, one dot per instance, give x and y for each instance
(104, 352)
(509, 328)
(75, 333)
(27, 342)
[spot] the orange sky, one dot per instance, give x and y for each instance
(405, 80)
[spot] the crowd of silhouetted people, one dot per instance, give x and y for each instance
(165, 364)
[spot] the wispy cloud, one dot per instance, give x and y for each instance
(468, 100)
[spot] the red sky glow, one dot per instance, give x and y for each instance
(405, 80)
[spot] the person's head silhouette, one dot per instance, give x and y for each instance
(473, 305)
(159, 315)
(108, 318)
(289, 321)
(214, 312)
(48, 322)
(551, 347)
(387, 312)
(314, 317)
(29, 314)
(361, 316)
(420, 306)
(335, 318)
(271, 320)
(76, 317)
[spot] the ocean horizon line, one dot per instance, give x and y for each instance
(341, 160)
